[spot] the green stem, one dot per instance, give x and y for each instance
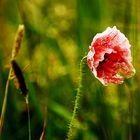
(5, 100)
(71, 125)
(29, 122)
(130, 107)
(130, 115)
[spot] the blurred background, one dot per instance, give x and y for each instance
(57, 35)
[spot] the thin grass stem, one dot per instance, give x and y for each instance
(29, 121)
(5, 100)
(15, 50)
(130, 115)
(44, 126)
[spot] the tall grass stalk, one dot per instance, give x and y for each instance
(22, 86)
(44, 125)
(76, 104)
(130, 115)
(130, 109)
(15, 51)
(5, 100)
(29, 122)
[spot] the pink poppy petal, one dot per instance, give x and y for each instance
(109, 57)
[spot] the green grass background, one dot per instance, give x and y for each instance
(57, 35)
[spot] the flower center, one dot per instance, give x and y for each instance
(109, 66)
(106, 58)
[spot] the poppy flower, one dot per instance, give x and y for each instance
(109, 57)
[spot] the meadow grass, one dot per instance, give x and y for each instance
(57, 35)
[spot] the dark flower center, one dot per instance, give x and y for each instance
(106, 58)
(109, 66)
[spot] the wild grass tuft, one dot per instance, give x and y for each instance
(15, 51)
(15, 69)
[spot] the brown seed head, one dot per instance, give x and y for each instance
(18, 40)
(20, 78)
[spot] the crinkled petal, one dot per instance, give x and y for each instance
(110, 58)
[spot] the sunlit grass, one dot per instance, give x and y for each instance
(57, 36)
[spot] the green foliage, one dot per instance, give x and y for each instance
(57, 35)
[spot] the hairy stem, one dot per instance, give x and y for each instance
(71, 125)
